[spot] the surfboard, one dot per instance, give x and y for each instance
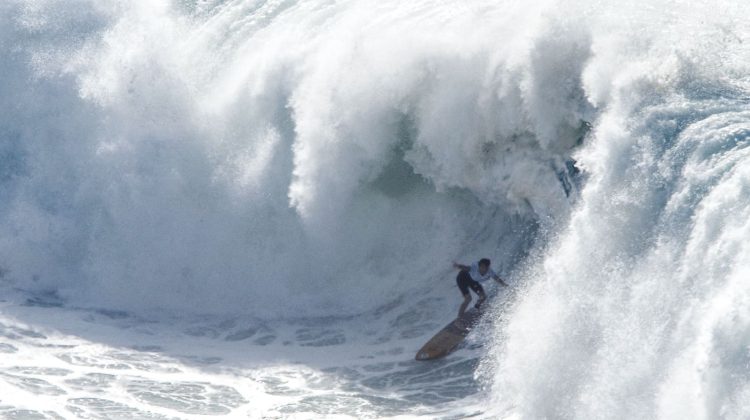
(447, 339)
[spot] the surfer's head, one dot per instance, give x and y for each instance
(484, 265)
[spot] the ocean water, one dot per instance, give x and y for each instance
(249, 209)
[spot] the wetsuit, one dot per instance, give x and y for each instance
(465, 282)
(470, 279)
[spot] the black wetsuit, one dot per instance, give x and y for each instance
(465, 282)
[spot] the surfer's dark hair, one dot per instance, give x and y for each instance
(484, 261)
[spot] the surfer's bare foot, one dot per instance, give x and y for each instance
(479, 304)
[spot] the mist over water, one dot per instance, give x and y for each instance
(639, 307)
(307, 159)
(178, 154)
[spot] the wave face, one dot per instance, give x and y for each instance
(286, 159)
(253, 157)
(639, 308)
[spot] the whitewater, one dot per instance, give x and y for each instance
(250, 209)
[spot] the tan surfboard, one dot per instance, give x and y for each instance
(445, 341)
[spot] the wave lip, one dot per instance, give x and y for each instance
(253, 158)
(629, 311)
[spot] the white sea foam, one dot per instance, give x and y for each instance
(637, 308)
(308, 164)
(246, 156)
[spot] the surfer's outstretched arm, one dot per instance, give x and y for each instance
(499, 280)
(461, 266)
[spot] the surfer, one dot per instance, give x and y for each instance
(448, 339)
(469, 277)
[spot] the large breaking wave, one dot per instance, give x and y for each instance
(640, 308)
(259, 156)
(284, 159)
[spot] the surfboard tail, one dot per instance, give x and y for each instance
(447, 339)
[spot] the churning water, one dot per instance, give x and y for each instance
(249, 208)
